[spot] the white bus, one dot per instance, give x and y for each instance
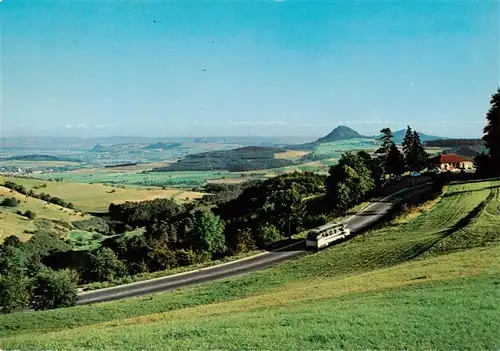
(323, 236)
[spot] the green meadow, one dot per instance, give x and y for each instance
(429, 279)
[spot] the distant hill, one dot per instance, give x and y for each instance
(99, 148)
(162, 146)
(247, 158)
(337, 134)
(454, 142)
(399, 136)
(38, 157)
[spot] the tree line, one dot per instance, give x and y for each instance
(454, 142)
(42, 196)
(395, 162)
(26, 283)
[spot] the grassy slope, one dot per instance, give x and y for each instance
(321, 300)
(97, 197)
(13, 224)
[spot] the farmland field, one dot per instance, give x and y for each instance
(97, 197)
(334, 148)
(392, 283)
(184, 179)
(291, 155)
(36, 164)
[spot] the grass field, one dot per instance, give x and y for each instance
(184, 179)
(392, 284)
(338, 147)
(12, 223)
(97, 197)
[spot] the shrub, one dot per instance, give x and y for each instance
(14, 290)
(161, 258)
(30, 214)
(97, 236)
(185, 257)
(267, 235)
(10, 202)
(312, 221)
(243, 241)
(53, 289)
(13, 241)
(106, 266)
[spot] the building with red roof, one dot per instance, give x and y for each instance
(450, 162)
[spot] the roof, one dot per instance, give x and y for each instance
(448, 158)
(327, 226)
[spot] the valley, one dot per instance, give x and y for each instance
(249, 175)
(148, 221)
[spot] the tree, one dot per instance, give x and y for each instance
(10, 202)
(395, 163)
(414, 152)
(266, 235)
(484, 166)
(14, 288)
(162, 230)
(349, 182)
(384, 149)
(287, 209)
(421, 156)
(408, 142)
(208, 230)
(489, 164)
(373, 166)
(13, 241)
(105, 266)
(160, 257)
(53, 289)
(386, 141)
(30, 214)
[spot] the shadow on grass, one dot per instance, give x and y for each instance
(462, 223)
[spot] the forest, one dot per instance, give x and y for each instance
(236, 160)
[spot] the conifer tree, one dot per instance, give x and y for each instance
(491, 162)
(414, 152)
(407, 144)
(386, 140)
(421, 156)
(383, 151)
(395, 163)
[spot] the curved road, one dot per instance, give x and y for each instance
(367, 216)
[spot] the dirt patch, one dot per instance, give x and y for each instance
(291, 154)
(228, 181)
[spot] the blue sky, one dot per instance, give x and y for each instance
(283, 68)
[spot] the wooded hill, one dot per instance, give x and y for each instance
(236, 160)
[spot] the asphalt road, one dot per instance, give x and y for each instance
(366, 217)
